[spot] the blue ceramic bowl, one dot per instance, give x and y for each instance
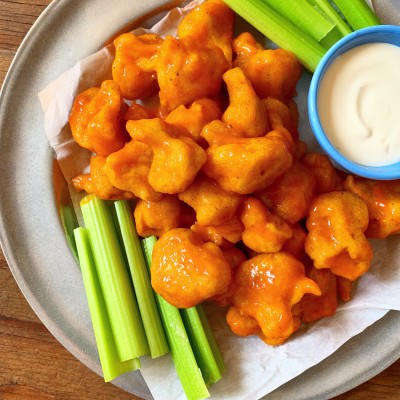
(375, 34)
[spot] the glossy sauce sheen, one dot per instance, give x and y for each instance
(359, 104)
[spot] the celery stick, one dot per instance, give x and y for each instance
(326, 7)
(180, 348)
(357, 13)
(110, 363)
(119, 297)
(304, 16)
(280, 30)
(211, 365)
(69, 223)
(141, 281)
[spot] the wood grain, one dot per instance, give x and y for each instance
(33, 365)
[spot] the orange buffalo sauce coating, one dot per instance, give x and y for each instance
(383, 202)
(96, 119)
(133, 66)
(186, 271)
(266, 289)
(336, 239)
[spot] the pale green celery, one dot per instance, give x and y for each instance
(357, 13)
(69, 223)
(302, 14)
(110, 363)
(119, 296)
(141, 281)
(326, 7)
(203, 343)
(180, 348)
(281, 31)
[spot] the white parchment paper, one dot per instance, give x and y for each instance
(253, 368)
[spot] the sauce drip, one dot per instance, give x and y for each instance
(359, 104)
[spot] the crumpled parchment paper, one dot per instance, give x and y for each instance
(253, 368)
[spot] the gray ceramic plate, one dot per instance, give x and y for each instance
(30, 230)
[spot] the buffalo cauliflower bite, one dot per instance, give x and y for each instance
(383, 202)
(128, 169)
(246, 113)
(97, 182)
(158, 217)
(192, 119)
(264, 232)
(211, 22)
(186, 271)
(246, 165)
(272, 72)
(176, 161)
(96, 119)
(267, 287)
(188, 70)
(133, 67)
(213, 205)
(290, 195)
(336, 226)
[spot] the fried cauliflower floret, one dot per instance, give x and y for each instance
(246, 113)
(96, 119)
(188, 70)
(137, 111)
(176, 161)
(186, 271)
(327, 177)
(212, 23)
(159, 217)
(290, 195)
(267, 287)
(213, 205)
(281, 114)
(272, 72)
(336, 226)
(128, 170)
(97, 182)
(383, 202)
(264, 232)
(133, 66)
(246, 165)
(314, 307)
(192, 119)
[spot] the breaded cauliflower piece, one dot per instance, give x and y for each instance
(272, 72)
(186, 271)
(133, 67)
(176, 161)
(336, 240)
(290, 195)
(246, 113)
(264, 232)
(213, 205)
(383, 202)
(96, 119)
(97, 182)
(187, 71)
(128, 169)
(211, 22)
(267, 287)
(246, 165)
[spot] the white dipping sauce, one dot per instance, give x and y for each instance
(359, 104)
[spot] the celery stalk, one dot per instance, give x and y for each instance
(119, 297)
(204, 347)
(304, 16)
(278, 29)
(141, 281)
(326, 7)
(110, 363)
(357, 13)
(180, 348)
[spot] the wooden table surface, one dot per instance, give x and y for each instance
(33, 365)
